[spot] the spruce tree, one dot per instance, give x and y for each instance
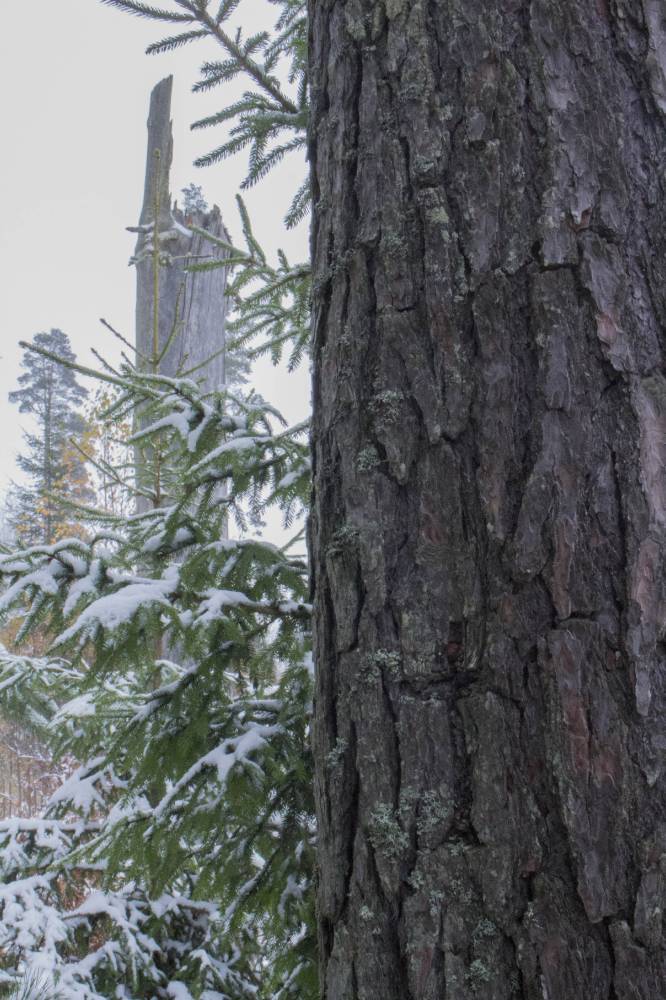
(178, 857)
(52, 396)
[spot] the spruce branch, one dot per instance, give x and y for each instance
(74, 366)
(119, 336)
(147, 10)
(264, 80)
(175, 42)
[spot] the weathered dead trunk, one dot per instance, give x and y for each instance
(191, 307)
(489, 525)
(180, 316)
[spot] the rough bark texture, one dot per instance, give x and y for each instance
(489, 525)
(194, 301)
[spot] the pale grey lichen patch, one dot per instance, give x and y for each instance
(417, 880)
(386, 834)
(335, 756)
(478, 974)
(387, 661)
(484, 929)
(385, 406)
(394, 244)
(438, 215)
(383, 661)
(460, 891)
(367, 459)
(434, 813)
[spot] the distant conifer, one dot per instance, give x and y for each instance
(51, 394)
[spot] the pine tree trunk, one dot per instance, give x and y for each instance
(47, 485)
(489, 524)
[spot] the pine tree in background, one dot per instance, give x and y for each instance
(52, 396)
(193, 199)
(38, 511)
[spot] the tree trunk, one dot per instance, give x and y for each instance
(47, 535)
(188, 333)
(489, 522)
(194, 302)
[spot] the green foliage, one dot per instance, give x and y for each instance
(271, 303)
(180, 679)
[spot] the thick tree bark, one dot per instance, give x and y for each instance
(489, 524)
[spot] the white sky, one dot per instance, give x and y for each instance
(75, 85)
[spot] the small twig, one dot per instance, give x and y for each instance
(121, 338)
(104, 363)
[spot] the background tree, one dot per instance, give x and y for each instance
(489, 528)
(40, 511)
(193, 199)
(52, 396)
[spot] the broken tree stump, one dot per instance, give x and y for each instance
(189, 330)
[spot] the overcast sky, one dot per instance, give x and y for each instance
(75, 84)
